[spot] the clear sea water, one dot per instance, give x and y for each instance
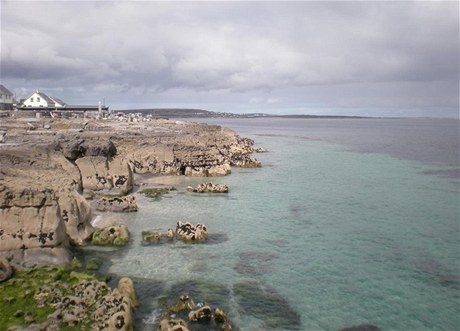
(348, 222)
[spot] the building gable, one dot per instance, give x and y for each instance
(39, 100)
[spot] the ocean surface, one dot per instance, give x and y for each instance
(348, 222)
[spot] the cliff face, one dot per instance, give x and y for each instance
(44, 171)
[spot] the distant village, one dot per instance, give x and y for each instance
(44, 104)
(39, 104)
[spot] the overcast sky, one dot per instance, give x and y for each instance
(351, 58)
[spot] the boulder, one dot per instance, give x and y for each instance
(5, 269)
(121, 321)
(220, 170)
(151, 236)
(173, 325)
(189, 232)
(208, 188)
(261, 150)
(120, 174)
(244, 161)
(202, 314)
(117, 204)
(126, 288)
(76, 214)
(116, 235)
(170, 234)
(94, 173)
(184, 302)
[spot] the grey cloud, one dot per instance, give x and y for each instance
(256, 48)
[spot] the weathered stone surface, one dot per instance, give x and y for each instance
(200, 314)
(88, 300)
(117, 235)
(261, 150)
(5, 269)
(151, 236)
(126, 288)
(120, 174)
(43, 172)
(189, 232)
(76, 215)
(94, 172)
(118, 204)
(208, 188)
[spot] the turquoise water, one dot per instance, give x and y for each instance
(320, 238)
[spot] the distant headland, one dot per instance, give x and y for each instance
(193, 113)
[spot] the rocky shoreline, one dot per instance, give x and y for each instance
(48, 169)
(47, 166)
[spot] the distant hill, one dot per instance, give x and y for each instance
(173, 112)
(190, 112)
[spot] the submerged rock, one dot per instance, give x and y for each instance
(151, 236)
(362, 327)
(156, 192)
(261, 150)
(208, 188)
(116, 235)
(173, 325)
(200, 314)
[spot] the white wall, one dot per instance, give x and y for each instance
(35, 100)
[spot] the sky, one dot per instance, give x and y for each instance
(363, 58)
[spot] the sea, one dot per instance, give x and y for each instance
(349, 222)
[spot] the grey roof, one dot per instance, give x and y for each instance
(58, 101)
(5, 91)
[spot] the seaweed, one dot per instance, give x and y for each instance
(156, 193)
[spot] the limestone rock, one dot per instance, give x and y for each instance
(173, 325)
(118, 204)
(201, 314)
(151, 236)
(126, 288)
(5, 269)
(208, 188)
(261, 150)
(170, 235)
(94, 172)
(121, 175)
(189, 232)
(117, 235)
(76, 215)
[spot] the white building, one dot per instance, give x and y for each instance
(6, 98)
(41, 100)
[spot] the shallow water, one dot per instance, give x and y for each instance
(322, 237)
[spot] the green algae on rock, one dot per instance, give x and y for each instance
(56, 298)
(116, 235)
(157, 192)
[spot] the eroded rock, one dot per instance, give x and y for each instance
(117, 204)
(5, 269)
(117, 235)
(189, 232)
(208, 188)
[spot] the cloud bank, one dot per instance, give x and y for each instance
(376, 58)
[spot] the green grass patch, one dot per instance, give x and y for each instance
(17, 304)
